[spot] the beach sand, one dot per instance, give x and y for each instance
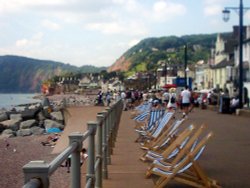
(25, 149)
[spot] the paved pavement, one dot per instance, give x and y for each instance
(225, 158)
(76, 119)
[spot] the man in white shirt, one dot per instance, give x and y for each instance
(123, 97)
(185, 95)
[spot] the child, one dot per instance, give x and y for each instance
(84, 155)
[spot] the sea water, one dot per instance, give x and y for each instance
(9, 101)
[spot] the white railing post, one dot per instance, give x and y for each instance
(91, 153)
(38, 170)
(75, 169)
(99, 153)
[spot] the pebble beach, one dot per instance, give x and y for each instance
(21, 150)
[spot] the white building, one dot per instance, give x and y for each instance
(246, 60)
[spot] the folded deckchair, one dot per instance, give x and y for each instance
(187, 170)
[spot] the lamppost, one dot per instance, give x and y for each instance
(186, 76)
(185, 64)
(226, 13)
(165, 72)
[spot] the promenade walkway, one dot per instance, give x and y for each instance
(225, 159)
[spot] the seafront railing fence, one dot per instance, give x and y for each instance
(101, 135)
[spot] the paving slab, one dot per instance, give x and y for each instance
(126, 170)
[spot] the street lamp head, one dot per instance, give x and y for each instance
(226, 14)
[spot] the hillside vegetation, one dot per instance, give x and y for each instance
(147, 53)
(25, 75)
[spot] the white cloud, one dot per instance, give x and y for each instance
(130, 29)
(50, 25)
(211, 10)
(17, 5)
(22, 42)
(165, 10)
(35, 40)
(213, 7)
(107, 28)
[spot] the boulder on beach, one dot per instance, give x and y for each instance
(16, 117)
(28, 124)
(40, 116)
(48, 123)
(8, 133)
(12, 124)
(24, 132)
(37, 130)
(3, 116)
(57, 116)
(30, 113)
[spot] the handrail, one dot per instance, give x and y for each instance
(37, 173)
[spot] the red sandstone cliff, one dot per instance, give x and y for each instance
(122, 64)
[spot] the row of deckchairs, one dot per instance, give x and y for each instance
(172, 150)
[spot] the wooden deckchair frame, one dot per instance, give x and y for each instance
(157, 142)
(185, 134)
(182, 150)
(188, 171)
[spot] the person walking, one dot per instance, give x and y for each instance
(185, 95)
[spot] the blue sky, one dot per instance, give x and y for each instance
(97, 32)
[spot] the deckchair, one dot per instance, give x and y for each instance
(141, 108)
(165, 137)
(148, 125)
(142, 117)
(187, 170)
(154, 115)
(159, 128)
(172, 149)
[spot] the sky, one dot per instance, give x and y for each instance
(98, 32)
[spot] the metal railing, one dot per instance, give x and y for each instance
(101, 135)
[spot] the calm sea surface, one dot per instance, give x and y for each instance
(10, 100)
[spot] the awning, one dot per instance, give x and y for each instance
(167, 86)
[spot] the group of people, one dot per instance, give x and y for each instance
(168, 98)
(172, 99)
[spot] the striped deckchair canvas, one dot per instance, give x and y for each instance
(154, 116)
(142, 117)
(187, 170)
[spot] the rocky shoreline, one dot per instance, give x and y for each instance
(24, 131)
(39, 118)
